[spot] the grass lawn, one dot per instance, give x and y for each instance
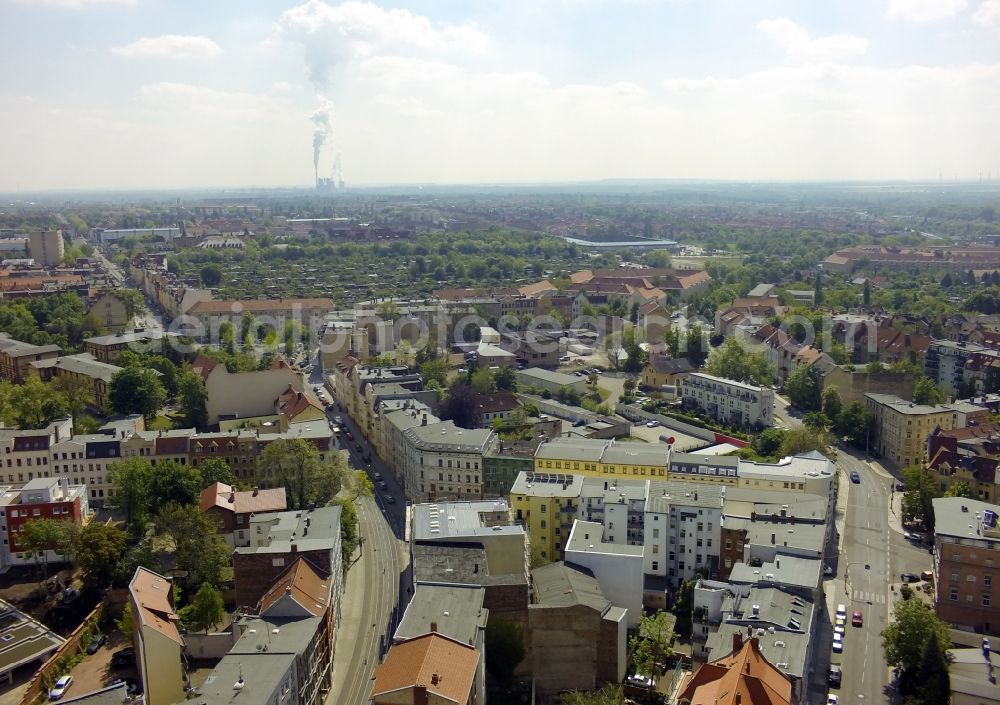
(160, 423)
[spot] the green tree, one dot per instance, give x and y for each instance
(818, 288)
(173, 483)
(135, 390)
(99, 548)
(926, 392)
(350, 535)
(460, 406)
(905, 639)
(387, 310)
(32, 404)
(192, 397)
(206, 609)
(611, 694)
(131, 479)
(768, 442)
(361, 485)
(482, 381)
(919, 495)
(798, 441)
(211, 275)
(124, 622)
(931, 684)
(831, 403)
(735, 361)
(215, 470)
(804, 387)
(295, 465)
(651, 646)
(506, 379)
(434, 370)
(852, 424)
(39, 536)
(504, 648)
(200, 554)
(960, 489)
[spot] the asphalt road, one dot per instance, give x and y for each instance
(783, 415)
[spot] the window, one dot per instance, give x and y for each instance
(277, 562)
(986, 600)
(970, 578)
(656, 533)
(987, 580)
(544, 508)
(544, 525)
(656, 565)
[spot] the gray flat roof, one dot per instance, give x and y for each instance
(664, 493)
(905, 407)
(791, 571)
(636, 454)
(27, 639)
(261, 673)
(454, 611)
(972, 673)
(586, 537)
(83, 364)
(560, 378)
(543, 484)
(435, 521)
(111, 695)
(285, 528)
(808, 537)
(611, 489)
(965, 518)
(588, 450)
(561, 585)
(130, 337)
(445, 436)
(461, 563)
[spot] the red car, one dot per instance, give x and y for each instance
(856, 619)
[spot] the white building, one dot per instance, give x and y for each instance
(113, 236)
(443, 461)
(735, 403)
(616, 566)
(682, 529)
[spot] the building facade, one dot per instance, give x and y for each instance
(729, 402)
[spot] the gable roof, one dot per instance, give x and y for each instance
(292, 403)
(742, 676)
(444, 666)
(497, 402)
(302, 583)
(670, 365)
(203, 366)
(150, 592)
(219, 494)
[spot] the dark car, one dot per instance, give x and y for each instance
(900, 487)
(855, 477)
(96, 643)
(123, 658)
(910, 578)
(835, 676)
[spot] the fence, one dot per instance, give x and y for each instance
(71, 646)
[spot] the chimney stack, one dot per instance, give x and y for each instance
(434, 626)
(295, 548)
(737, 641)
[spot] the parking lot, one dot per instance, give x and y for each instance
(95, 671)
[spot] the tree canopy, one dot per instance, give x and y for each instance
(295, 465)
(733, 360)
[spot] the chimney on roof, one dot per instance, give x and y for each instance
(434, 626)
(256, 491)
(232, 497)
(435, 679)
(737, 640)
(423, 421)
(295, 548)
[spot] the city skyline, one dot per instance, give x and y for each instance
(139, 94)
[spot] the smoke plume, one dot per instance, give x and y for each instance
(322, 119)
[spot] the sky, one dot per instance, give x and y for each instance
(160, 94)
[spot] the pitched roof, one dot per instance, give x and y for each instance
(496, 402)
(536, 288)
(445, 667)
(203, 366)
(742, 676)
(302, 583)
(219, 494)
(151, 594)
(561, 585)
(670, 365)
(292, 403)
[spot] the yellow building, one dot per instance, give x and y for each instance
(602, 458)
(158, 643)
(900, 428)
(547, 504)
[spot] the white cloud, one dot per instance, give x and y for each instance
(170, 46)
(282, 86)
(798, 42)
(924, 10)
(988, 14)
(73, 4)
(334, 34)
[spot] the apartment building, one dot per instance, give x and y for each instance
(25, 454)
(617, 566)
(232, 510)
(443, 461)
(107, 348)
(946, 360)
(84, 370)
(901, 428)
(112, 311)
(271, 314)
(601, 458)
(16, 357)
(966, 560)
(729, 402)
(84, 460)
(159, 647)
(42, 498)
(46, 247)
(547, 504)
(682, 529)
(428, 669)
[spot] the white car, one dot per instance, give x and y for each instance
(839, 629)
(842, 611)
(832, 699)
(60, 687)
(640, 681)
(838, 643)
(652, 424)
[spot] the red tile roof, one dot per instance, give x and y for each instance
(302, 583)
(151, 594)
(445, 667)
(744, 676)
(219, 494)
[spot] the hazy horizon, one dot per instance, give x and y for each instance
(137, 95)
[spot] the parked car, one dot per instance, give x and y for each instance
(640, 681)
(652, 423)
(835, 676)
(838, 644)
(900, 487)
(842, 611)
(377, 476)
(389, 499)
(382, 485)
(855, 477)
(357, 447)
(927, 575)
(69, 595)
(95, 643)
(338, 420)
(123, 658)
(827, 571)
(909, 578)
(832, 699)
(60, 687)
(857, 619)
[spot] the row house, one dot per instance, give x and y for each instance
(727, 401)
(16, 357)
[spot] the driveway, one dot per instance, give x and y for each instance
(95, 672)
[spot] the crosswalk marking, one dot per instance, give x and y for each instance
(872, 597)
